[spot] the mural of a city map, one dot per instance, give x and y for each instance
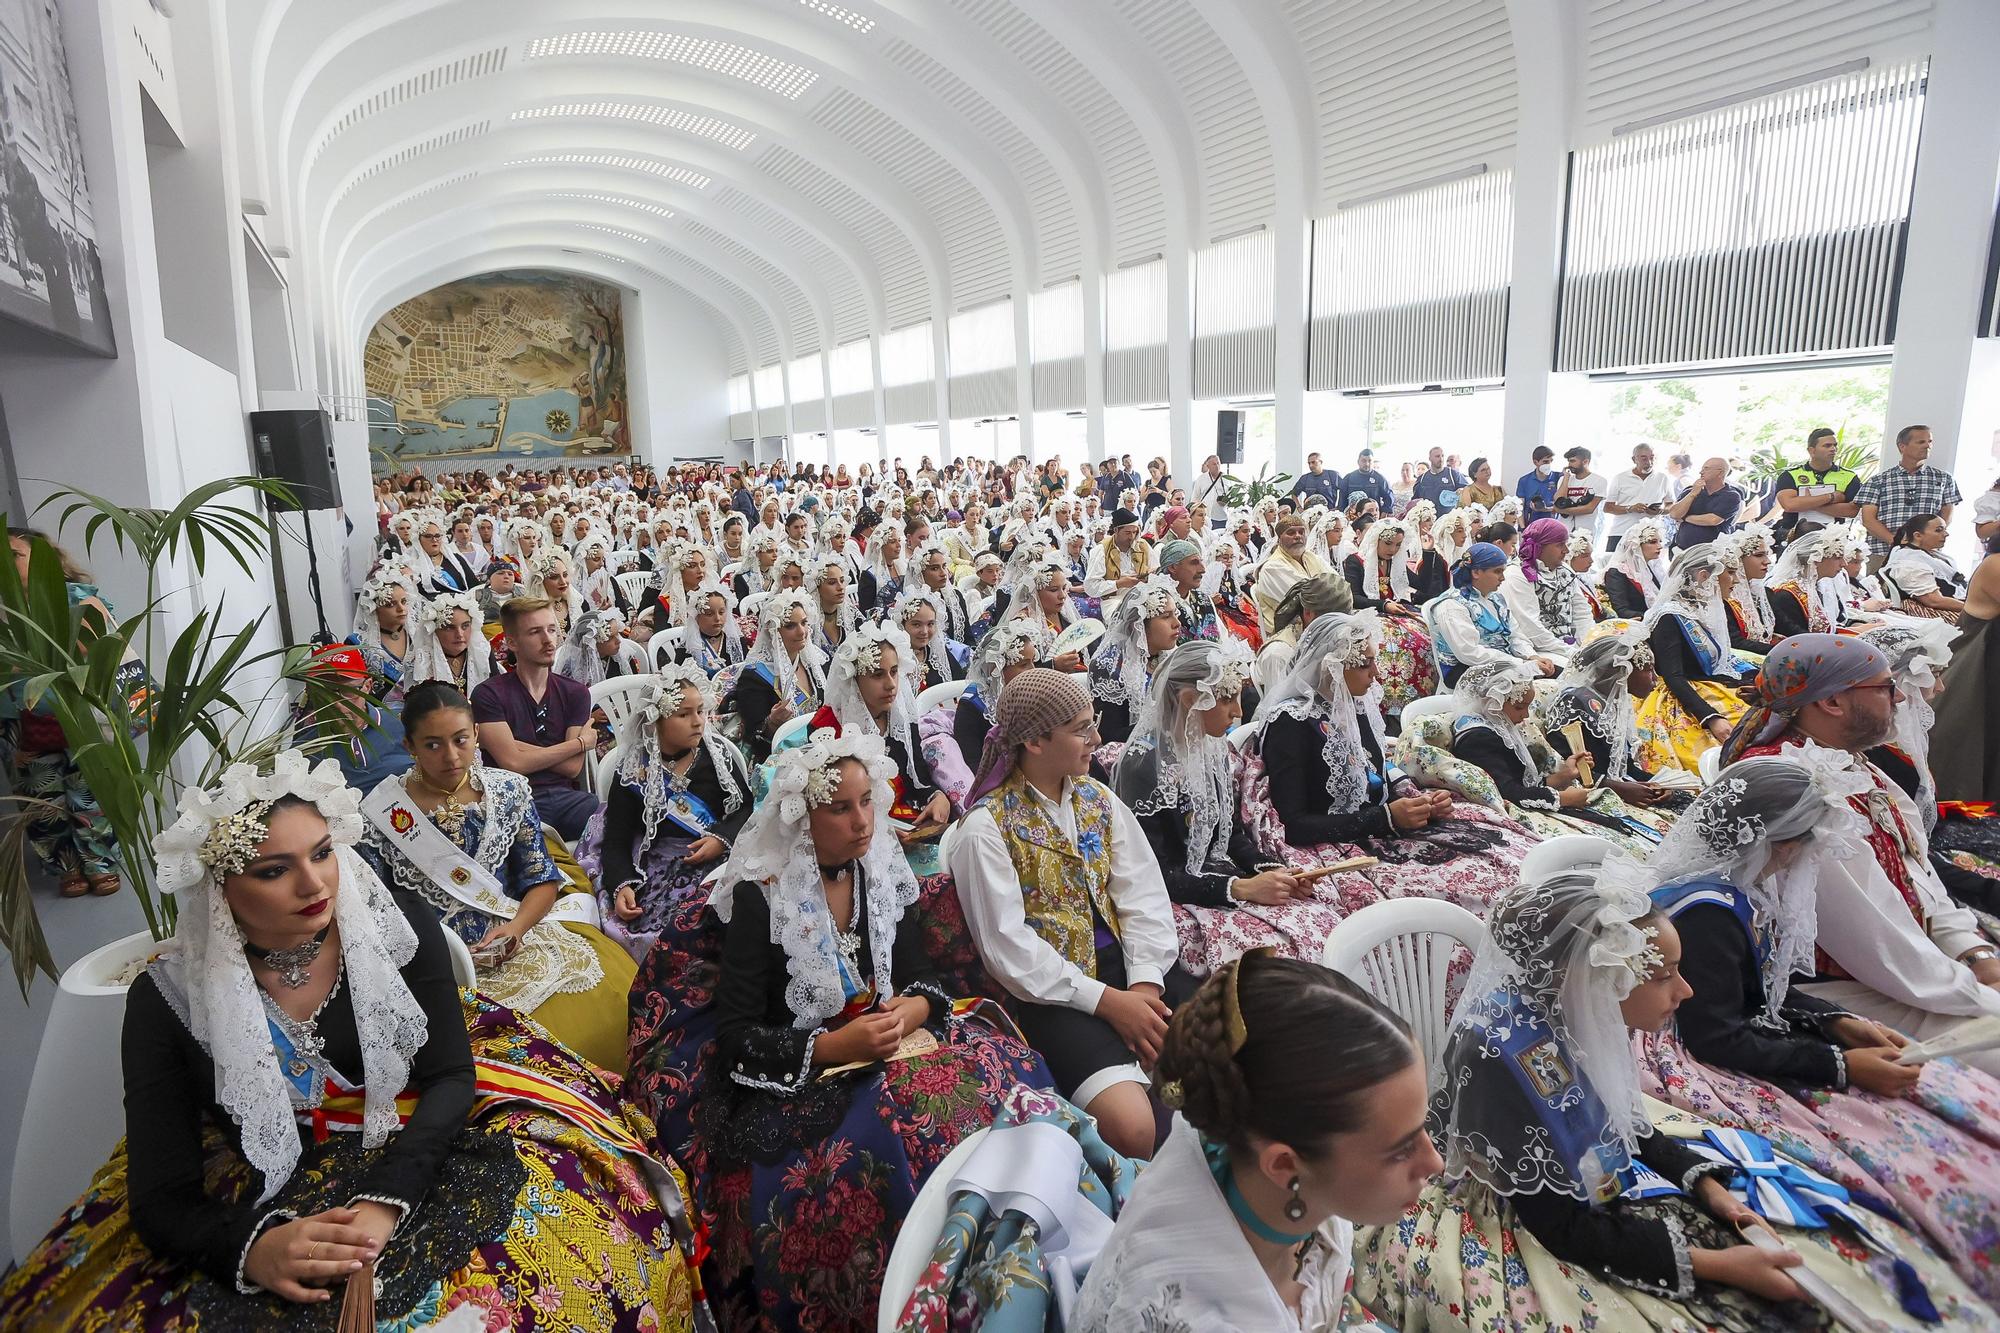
(503, 368)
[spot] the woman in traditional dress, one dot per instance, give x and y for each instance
(834, 612)
(304, 1133)
(1746, 563)
(868, 691)
(1697, 701)
(820, 1074)
(1566, 1205)
(447, 644)
(1318, 789)
(1474, 623)
(468, 841)
(935, 659)
(600, 590)
(1929, 583)
(1143, 629)
(1224, 590)
(1245, 1218)
(882, 581)
(1379, 575)
(1750, 1051)
(597, 650)
(758, 572)
(784, 675)
(557, 583)
(680, 796)
(711, 639)
(382, 615)
(687, 570)
(1008, 649)
(1633, 582)
(1804, 599)
(1590, 714)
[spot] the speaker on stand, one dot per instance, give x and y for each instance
(1229, 436)
(295, 446)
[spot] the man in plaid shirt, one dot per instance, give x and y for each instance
(1913, 486)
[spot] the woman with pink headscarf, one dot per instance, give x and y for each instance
(1541, 584)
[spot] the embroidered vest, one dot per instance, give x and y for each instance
(1060, 884)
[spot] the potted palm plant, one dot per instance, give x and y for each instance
(1242, 495)
(134, 706)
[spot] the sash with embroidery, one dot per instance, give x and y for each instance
(1714, 658)
(1567, 1107)
(1673, 899)
(440, 860)
(689, 811)
(799, 698)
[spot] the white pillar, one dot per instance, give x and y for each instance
(1291, 243)
(1944, 259)
(1180, 361)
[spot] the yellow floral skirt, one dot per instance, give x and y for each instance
(1669, 735)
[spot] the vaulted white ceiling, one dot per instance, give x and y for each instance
(817, 172)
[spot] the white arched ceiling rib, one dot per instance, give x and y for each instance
(798, 294)
(853, 283)
(887, 205)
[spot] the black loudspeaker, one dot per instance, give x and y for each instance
(1229, 436)
(296, 447)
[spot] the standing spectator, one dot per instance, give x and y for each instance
(536, 723)
(1111, 483)
(1481, 491)
(1208, 489)
(1406, 485)
(1437, 478)
(1313, 481)
(1890, 497)
(1368, 481)
(1677, 472)
(1634, 494)
(743, 501)
(1986, 513)
(1537, 489)
(1579, 492)
(1131, 472)
(1819, 492)
(1709, 508)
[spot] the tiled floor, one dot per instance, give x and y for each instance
(74, 927)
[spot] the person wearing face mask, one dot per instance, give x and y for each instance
(1893, 946)
(1736, 877)
(1245, 1220)
(1550, 1155)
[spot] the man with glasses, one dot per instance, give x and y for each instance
(1893, 947)
(536, 723)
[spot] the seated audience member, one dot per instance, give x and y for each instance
(1143, 630)
(1379, 576)
(1287, 563)
(838, 1075)
(1305, 600)
(1746, 563)
(868, 691)
(711, 639)
(759, 572)
(467, 840)
(1182, 565)
(1245, 1219)
(1582, 561)
(1926, 580)
(597, 650)
(498, 590)
(325, 1203)
(1562, 1201)
(1633, 582)
(1067, 908)
(1737, 879)
(935, 660)
(1473, 623)
(1804, 597)
(1594, 699)
(784, 675)
(1007, 650)
(536, 723)
(933, 566)
(680, 796)
(1892, 945)
(447, 644)
(834, 614)
(1543, 588)
(1699, 694)
(383, 615)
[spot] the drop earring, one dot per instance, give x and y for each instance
(1295, 1208)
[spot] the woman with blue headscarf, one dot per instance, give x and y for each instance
(1472, 623)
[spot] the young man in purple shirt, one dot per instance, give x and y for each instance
(536, 723)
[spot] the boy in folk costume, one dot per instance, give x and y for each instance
(1067, 907)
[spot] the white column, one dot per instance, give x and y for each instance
(1544, 67)
(1933, 378)
(1092, 297)
(1291, 243)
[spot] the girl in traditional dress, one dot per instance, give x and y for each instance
(467, 840)
(680, 796)
(309, 1129)
(1746, 562)
(1752, 1052)
(1244, 1220)
(382, 613)
(1225, 591)
(1142, 630)
(1696, 702)
(758, 572)
(818, 1073)
(834, 612)
(687, 570)
(598, 650)
(1008, 649)
(1929, 583)
(599, 588)
(1633, 582)
(711, 639)
(868, 691)
(1379, 575)
(557, 584)
(935, 660)
(881, 583)
(1594, 697)
(1804, 599)
(1568, 1204)
(447, 644)
(784, 675)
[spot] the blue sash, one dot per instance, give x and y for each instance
(1489, 619)
(690, 812)
(1714, 659)
(298, 1071)
(1673, 899)
(800, 699)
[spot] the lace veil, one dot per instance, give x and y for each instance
(1399, 564)
(1630, 559)
(1483, 693)
(1314, 688)
(1122, 659)
(936, 656)
(860, 655)
(1603, 667)
(770, 647)
(1008, 643)
(645, 767)
(775, 848)
(427, 661)
(732, 636)
(1170, 761)
(1918, 650)
(219, 829)
(1694, 588)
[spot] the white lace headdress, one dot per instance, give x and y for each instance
(1484, 692)
(1759, 625)
(1632, 560)
(217, 835)
(1314, 687)
(1918, 651)
(1009, 643)
(775, 848)
(1399, 563)
(427, 660)
(770, 647)
(375, 593)
(860, 655)
(690, 632)
(1694, 589)
(662, 694)
(1123, 660)
(936, 656)
(1171, 759)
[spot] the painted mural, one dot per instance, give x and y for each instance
(502, 368)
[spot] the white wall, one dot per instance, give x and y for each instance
(679, 378)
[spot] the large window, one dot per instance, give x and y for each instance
(1055, 319)
(1235, 339)
(982, 361)
(1135, 335)
(770, 385)
(742, 409)
(909, 375)
(808, 387)
(851, 377)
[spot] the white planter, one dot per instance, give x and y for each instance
(76, 1101)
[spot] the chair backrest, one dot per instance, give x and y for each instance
(731, 570)
(918, 1237)
(1570, 851)
(462, 969)
(606, 776)
(1709, 765)
(788, 730)
(1400, 952)
(752, 606)
(1428, 706)
(941, 693)
(661, 647)
(619, 698)
(633, 584)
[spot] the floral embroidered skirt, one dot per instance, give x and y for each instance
(1669, 736)
(665, 876)
(532, 1222)
(802, 1197)
(1932, 1158)
(1405, 663)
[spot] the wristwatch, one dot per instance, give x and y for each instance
(1978, 955)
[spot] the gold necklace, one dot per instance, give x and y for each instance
(449, 815)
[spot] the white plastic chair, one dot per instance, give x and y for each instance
(1709, 765)
(619, 698)
(752, 607)
(607, 772)
(787, 730)
(731, 570)
(1570, 851)
(918, 1238)
(463, 969)
(1400, 952)
(1428, 706)
(633, 584)
(940, 693)
(661, 648)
